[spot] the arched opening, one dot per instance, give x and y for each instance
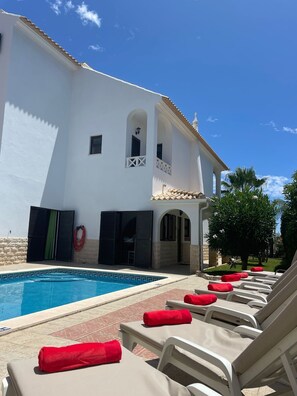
(175, 238)
(136, 135)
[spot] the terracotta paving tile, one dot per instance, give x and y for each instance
(106, 327)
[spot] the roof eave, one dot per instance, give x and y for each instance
(190, 127)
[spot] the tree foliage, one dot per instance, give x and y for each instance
(241, 224)
(289, 219)
(243, 179)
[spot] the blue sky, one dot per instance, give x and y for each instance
(234, 62)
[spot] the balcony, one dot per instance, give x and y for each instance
(134, 162)
(163, 166)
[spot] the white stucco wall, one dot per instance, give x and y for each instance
(6, 30)
(34, 135)
(182, 162)
(94, 183)
(207, 166)
(50, 110)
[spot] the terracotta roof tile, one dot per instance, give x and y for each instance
(177, 194)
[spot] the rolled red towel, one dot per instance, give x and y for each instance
(167, 317)
(200, 299)
(243, 274)
(54, 359)
(220, 287)
(257, 269)
(230, 278)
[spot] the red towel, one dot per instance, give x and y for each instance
(257, 269)
(200, 299)
(54, 359)
(220, 287)
(167, 317)
(230, 278)
(243, 274)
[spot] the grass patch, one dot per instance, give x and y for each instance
(271, 265)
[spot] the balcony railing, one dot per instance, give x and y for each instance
(133, 162)
(163, 166)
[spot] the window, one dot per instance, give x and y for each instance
(187, 229)
(168, 227)
(96, 144)
(159, 150)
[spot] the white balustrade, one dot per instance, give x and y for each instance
(133, 162)
(163, 166)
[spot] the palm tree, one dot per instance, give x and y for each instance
(243, 179)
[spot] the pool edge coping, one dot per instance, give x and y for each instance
(34, 319)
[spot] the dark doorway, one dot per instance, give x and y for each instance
(179, 241)
(126, 238)
(50, 235)
(135, 147)
(160, 151)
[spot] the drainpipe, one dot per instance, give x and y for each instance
(203, 207)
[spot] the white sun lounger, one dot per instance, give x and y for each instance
(261, 293)
(229, 314)
(132, 376)
(227, 361)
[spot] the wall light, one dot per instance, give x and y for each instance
(137, 131)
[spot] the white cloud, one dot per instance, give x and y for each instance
(212, 119)
(290, 130)
(274, 185)
(131, 35)
(55, 6)
(69, 5)
(215, 135)
(96, 47)
(88, 16)
(273, 125)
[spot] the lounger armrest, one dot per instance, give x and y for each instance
(278, 271)
(202, 390)
(262, 290)
(247, 331)
(203, 353)
(256, 304)
(269, 282)
(245, 293)
(254, 285)
(210, 311)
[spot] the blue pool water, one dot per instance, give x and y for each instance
(33, 291)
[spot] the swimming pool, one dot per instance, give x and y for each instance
(33, 291)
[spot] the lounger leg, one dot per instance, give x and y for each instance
(128, 341)
(4, 386)
(165, 357)
(290, 370)
(7, 389)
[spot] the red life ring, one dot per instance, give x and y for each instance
(79, 242)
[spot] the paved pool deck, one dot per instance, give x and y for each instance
(99, 323)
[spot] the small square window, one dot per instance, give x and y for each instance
(96, 144)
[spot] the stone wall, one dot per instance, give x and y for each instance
(194, 258)
(186, 253)
(89, 253)
(164, 254)
(13, 251)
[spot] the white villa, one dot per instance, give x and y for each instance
(78, 147)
